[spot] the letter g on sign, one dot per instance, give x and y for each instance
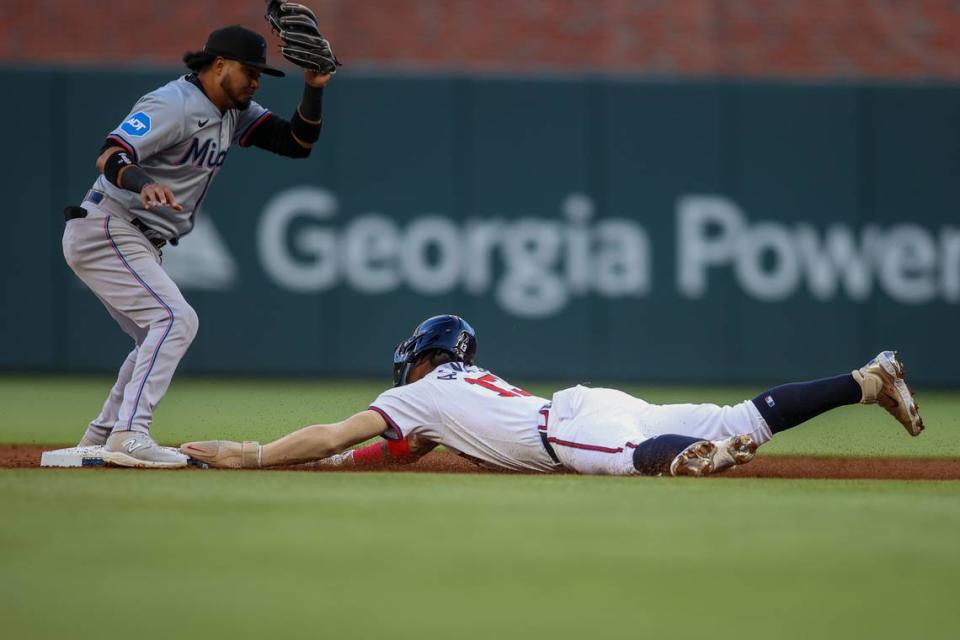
(276, 244)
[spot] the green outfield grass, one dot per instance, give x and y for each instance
(286, 554)
(41, 409)
(110, 553)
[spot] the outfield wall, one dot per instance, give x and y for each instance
(590, 229)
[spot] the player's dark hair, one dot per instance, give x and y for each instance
(197, 61)
(438, 357)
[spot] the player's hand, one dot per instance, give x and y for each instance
(316, 79)
(224, 454)
(155, 195)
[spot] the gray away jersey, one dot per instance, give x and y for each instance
(181, 140)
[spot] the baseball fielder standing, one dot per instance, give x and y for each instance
(156, 168)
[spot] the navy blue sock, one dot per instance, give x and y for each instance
(653, 456)
(788, 405)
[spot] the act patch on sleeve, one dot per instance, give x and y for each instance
(137, 125)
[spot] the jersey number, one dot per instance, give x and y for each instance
(487, 382)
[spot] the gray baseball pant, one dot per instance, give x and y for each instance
(123, 270)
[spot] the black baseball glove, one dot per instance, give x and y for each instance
(303, 44)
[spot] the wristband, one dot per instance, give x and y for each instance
(123, 173)
(303, 130)
(135, 179)
(311, 104)
(381, 452)
(372, 454)
(398, 448)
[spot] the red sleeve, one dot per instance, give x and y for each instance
(374, 454)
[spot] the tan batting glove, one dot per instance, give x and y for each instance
(224, 454)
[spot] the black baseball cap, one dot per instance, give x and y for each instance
(243, 45)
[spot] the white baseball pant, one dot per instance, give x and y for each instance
(595, 431)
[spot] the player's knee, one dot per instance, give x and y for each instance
(190, 322)
(185, 323)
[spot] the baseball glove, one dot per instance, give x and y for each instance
(302, 42)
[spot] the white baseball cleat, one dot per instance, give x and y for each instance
(882, 382)
(707, 457)
(224, 454)
(135, 449)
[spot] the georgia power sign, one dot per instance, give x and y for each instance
(534, 266)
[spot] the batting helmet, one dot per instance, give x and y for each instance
(450, 334)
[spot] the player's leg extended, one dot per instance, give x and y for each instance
(122, 269)
(880, 381)
(604, 432)
(729, 435)
(771, 412)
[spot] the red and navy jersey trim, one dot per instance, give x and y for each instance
(120, 142)
(393, 432)
(245, 136)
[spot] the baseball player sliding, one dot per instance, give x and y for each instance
(442, 398)
(156, 168)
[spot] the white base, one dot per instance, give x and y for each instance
(98, 457)
(73, 457)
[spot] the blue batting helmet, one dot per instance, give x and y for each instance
(451, 334)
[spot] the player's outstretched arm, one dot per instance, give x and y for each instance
(320, 441)
(406, 451)
(305, 445)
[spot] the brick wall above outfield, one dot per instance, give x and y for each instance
(818, 39)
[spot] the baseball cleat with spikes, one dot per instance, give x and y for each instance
(882, 382)
(707, 457)
(224, 454)
(138, 450)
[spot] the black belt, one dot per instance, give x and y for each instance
(157, 242)
(544, 420)
(96, 197)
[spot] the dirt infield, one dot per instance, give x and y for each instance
(28, 456)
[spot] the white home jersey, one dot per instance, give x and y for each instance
(180, 139)
(473, 412)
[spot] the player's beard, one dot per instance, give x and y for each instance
(239, 99)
